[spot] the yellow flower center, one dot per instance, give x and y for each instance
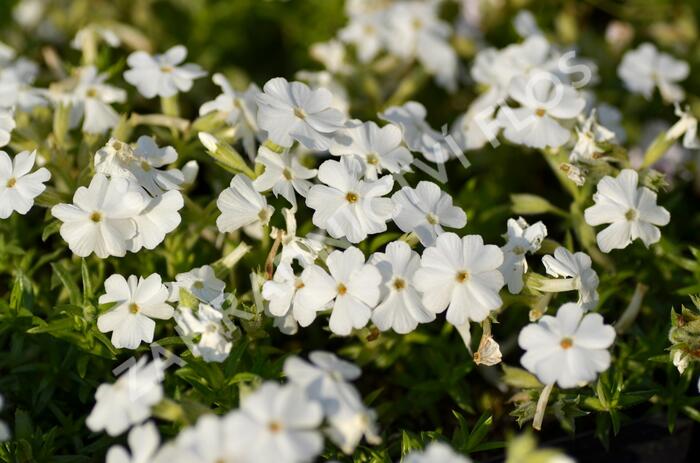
(352, 197)
(342, 289)
(372, 159)
(540, 112)
(287, 174)
(631, 215)
(399, 284)
(566, 343)
(91, 93)
(432, 219)
(298, 112)
(96, 217)
(274, 426)
(198, 285)
(134, 308)
(462, 276)
(167, 69)
(11, 182)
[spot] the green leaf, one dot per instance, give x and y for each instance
(73, 292)
(87, 284)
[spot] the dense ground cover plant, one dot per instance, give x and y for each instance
(420, 231)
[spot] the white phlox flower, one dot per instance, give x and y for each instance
(400, 307)
(291, 111)
(101, 218)
(239, 110)
(282, 293)
(160, 216)
(19, 186)
(417, 133)
(521, 238)
(211, 328)
(577, 270)
(162, 75)
(350, 287)
(129, 400)
(424, 210)
(141, 164)
(303, 249)
(545, 101)
(588, 139)
(630, 210)
(460, 275)
(646, 68)
(379, 148)
(686, 127)
(569, 349)
(366, 32)
(242, 206)
(16, 86)
(347, 206)
(91, 101)
(7, 125)
(202, 283)
(137, 301)
(435, 452)
(283, 174)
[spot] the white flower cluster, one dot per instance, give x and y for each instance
(275, 423)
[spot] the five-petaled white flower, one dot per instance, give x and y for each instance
(101, 218)
(521, 239)
(460, 275)
(424, 210)
(160, 216)
(544, 102)
(417, 133)
(291, 111)
(18, 187)
(283, 174)
(129, 400)
(212, 329)
(401, 307)
(352, 289)
(279, 424)
(138, 300)
(631, 211)
(162, 75)
(202, 283)
(347, 206)
(282, 292)
(140, 164)
(576, 269)
(242, 206)
(91, 101)
(379, 148)
(570, 349)
(645, 68)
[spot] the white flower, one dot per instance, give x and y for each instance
(645, 68)
(291, 111)
(101, 218)
(473, 129)
(278, 424)
(242, 206)
(129, 400)
(18, 187)
(436, 452)
(16, 90)
(143, 443)
(424, 210)
(401, 307)
(544, 102)
(570, 349)
(352, 288)
(417, 133)
(686, 127)
(325, 380)
(202, 283)
(305, 250)
(89, 34)
(379, 148)
(331, 54)
(283, 174)
(210, 326)
(347, 206)
(208, 441)
(460, 275)
(141, 164)
(91, 101)
(160, 216)
(239, 110)
(631, 211)
(138, 300)
(576, 266)
(589, 138)
(521, 239)
(162, 75)
(282, 292)
(365, 33)
(7, 125)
